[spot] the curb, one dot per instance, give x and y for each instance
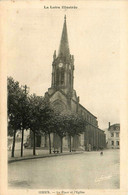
(44, 156)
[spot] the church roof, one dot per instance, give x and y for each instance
(116, 124)
(64, 45)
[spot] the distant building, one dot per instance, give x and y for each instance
(18, 139)
(113, 136)
(63, 98)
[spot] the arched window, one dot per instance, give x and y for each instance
(57, 76)
(62, 76)
(70, 78)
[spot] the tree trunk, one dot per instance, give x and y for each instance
(61, 144)
(50, 151)
(45, 143)
(22, 142)
(13, 145)
(34, 143)
(70, 144)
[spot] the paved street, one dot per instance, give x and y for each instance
(88, 170)
(27, 152)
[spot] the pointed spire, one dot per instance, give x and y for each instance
(65, 18)
(64, 45)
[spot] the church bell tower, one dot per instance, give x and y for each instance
(63, 65)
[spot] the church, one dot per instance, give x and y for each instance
(63, 97)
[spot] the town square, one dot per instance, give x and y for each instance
(86, 170)
(63, 108)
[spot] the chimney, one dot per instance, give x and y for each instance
(109, 124)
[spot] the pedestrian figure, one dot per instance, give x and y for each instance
(101, 153)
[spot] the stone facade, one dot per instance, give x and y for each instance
(63, 98)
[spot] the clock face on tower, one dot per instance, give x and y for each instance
(60, 65)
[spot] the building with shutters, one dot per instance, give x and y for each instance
(113, 136)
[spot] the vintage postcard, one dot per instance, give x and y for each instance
(63, 97)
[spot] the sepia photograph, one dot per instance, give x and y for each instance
(63, 72)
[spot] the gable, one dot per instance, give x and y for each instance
(58, 96)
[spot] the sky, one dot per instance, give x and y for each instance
(94, 40)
